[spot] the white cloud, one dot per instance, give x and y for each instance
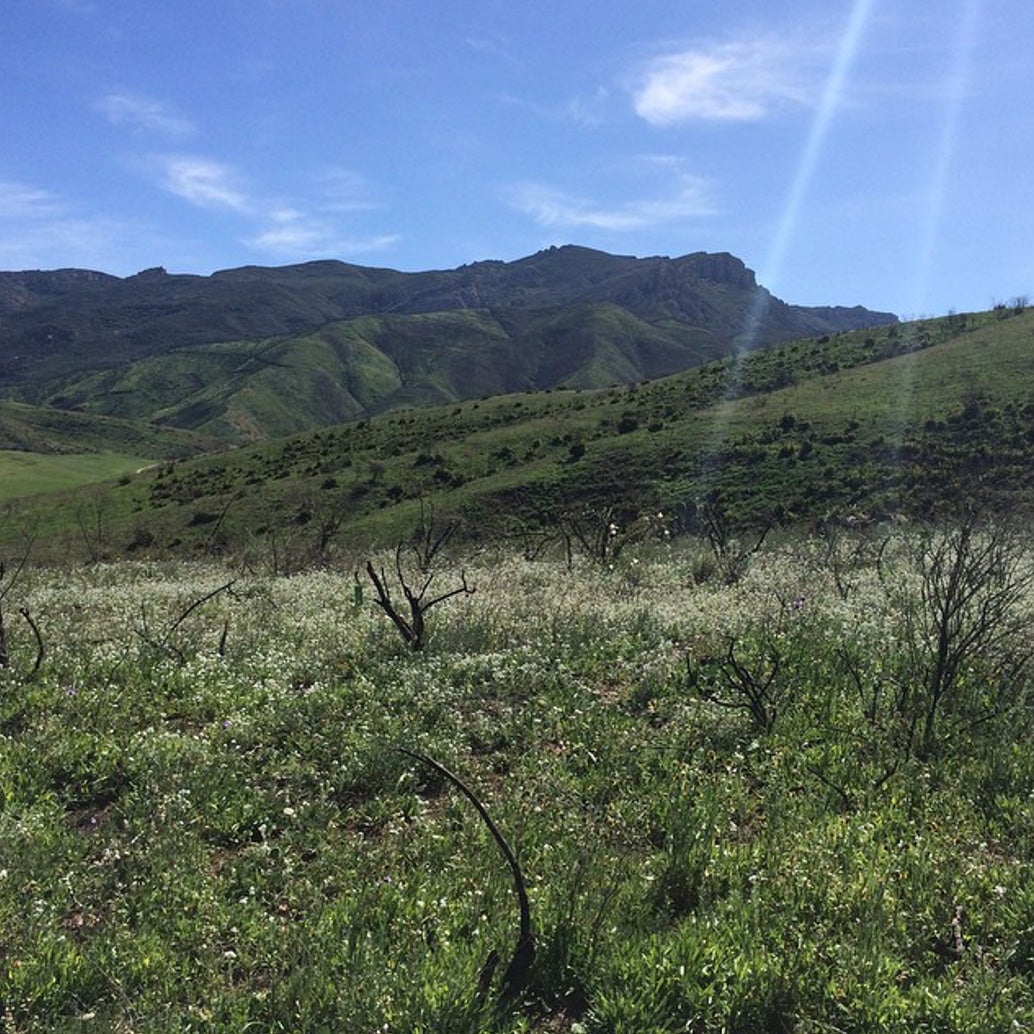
(295, 234)
(144, 113)
(41, 230)
(583, 109)
(550, 207)
(343, 190)
(90, 242)
(203, 182)
(20, 201)
(291, 231)
(283, 227)
(734, 81)
(587, 110)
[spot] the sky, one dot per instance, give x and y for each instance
(850, 152)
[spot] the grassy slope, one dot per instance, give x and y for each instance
(43, 429)
(786, 434)
(27, 473)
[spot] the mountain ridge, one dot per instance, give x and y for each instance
(225, 353)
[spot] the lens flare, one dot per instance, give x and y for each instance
(956, 88)
(832, 96)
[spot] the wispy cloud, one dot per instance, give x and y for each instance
(342, 190)
(89, 242)
(20, 201)
(203, 182)
(290, 233)
(41, 230)
(139, 112)
(587, 109)
(551, 207)
(733, 81)
(313, 227)
(494, 45)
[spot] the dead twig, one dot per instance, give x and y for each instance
(24, 611)
(165, 644)
(517, 971)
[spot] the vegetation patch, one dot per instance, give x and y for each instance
(743, 783)
(30, 473)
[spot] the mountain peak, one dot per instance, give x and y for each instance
(720, 267)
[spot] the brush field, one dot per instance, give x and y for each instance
(747, 789)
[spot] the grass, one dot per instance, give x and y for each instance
(204, 824)
(27, 473)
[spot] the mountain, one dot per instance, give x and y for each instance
(252, 353)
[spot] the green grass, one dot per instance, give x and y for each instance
(204, 824)
(27, 473)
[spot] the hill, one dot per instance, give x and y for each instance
(910, 420)
(255, 353)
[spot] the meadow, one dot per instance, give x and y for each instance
(776, 786)
(23, 473)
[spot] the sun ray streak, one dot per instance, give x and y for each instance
(936, 194)
(957, 86)
(832, 96)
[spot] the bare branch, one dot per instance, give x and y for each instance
(412, 627)
(517, 971)
(165, 644)
(24, 611)
(464, 589)
(228, 587)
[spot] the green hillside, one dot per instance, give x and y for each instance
(46, 429)
(26, 473)
(257, 353)
(249, 391)
(913, 419)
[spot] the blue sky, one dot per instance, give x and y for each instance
(874, 152)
